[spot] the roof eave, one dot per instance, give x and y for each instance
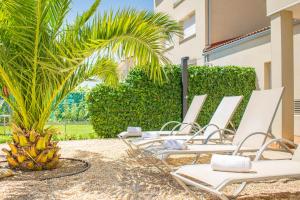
(237, 42)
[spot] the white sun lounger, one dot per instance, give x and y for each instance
(184, 128)
(250, 135)
(203, 177)
(220, 120)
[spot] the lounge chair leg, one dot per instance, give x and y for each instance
(187, 188)
(127, 143)
(239, 189)
(164, 161)
(159, 168)
(133, 153)
(196, 159)
(152, 162)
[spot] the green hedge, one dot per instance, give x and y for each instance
(140, 102)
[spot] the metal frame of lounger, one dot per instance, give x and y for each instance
(224, 135)
(140, 153)
(160, 160)
(155, 153)
(185, 182)
(135, 151)
(220, 123)
(194, 126)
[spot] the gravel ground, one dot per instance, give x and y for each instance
(113, 175)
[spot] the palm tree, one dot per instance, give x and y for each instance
(43, 58)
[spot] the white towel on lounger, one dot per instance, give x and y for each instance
(150, 135)
(175, 144)
(230, 163)
(134, 129)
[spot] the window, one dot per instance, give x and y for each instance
(189, 26)
(297, 106)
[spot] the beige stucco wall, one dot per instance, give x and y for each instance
(228, 19)
(256, 53)
(274, 6)
(233, 18)
(195, 45)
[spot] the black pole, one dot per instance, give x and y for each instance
(184, 81)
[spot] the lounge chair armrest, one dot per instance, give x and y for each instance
(168, 123)
(200, 131)
(247, 138)
(281, 141)
(195, 127)
(208, 125)
(194, 124)
(220, 132)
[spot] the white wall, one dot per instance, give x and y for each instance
(277, 5)
(256, 53)
(253, 53)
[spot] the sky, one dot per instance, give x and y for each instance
(78, 6)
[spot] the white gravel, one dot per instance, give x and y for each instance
(115, 176)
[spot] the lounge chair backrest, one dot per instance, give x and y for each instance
(223, 114)
(192, 113)
(296, 156)
(258, 116)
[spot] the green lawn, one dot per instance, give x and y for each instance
(4, 138)
(68, 132)
(75, 132)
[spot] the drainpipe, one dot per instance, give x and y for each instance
(209, 22)
(184, 82)
(208, 32)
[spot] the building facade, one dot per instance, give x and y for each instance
(264, 34)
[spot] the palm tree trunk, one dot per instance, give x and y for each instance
(32, 151)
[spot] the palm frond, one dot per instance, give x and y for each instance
(42, 58)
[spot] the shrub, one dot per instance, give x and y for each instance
(140, 102)
(218, 82)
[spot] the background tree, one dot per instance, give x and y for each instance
(43, 58)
